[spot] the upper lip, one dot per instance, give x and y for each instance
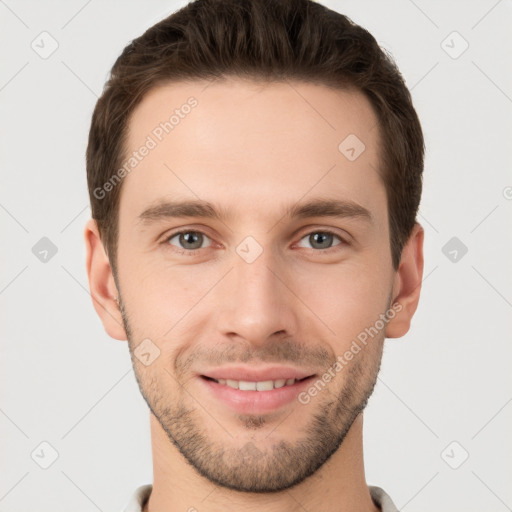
(252, 374)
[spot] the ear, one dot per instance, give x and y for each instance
(101, 283)
(407, 284)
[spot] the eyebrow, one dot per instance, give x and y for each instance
(335, 208)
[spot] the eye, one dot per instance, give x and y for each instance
(321, 240)
(188, 241)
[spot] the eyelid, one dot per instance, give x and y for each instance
(341, 234)
(187, 229)
(180, 231)
(342, 241)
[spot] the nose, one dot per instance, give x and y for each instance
(255, 303)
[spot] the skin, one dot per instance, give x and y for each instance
(254, 150)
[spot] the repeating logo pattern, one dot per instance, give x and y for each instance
(65, 390)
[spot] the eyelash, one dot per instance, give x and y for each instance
(194, 252)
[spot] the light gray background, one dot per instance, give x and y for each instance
(65, 382)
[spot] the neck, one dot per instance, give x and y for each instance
(338, 485)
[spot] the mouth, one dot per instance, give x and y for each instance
(261, 395)
(262, 385)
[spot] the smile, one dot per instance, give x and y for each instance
(264, 385)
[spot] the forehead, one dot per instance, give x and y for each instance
(250, 145)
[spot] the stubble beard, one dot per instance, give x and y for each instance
(252, 467)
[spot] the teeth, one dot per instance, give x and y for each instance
(265, 385)
(232, 383)
(243, 385)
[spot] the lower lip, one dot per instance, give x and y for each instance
(255, 402)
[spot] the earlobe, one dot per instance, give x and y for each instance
(407, 285)
(101, 283)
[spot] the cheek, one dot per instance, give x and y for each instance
(159, 297)
(347, 298)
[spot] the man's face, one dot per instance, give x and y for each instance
(255, 295)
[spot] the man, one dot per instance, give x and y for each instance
(254, 170)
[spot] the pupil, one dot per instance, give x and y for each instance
(191, 238)
(319, 238)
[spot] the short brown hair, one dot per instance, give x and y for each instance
(270, 40)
